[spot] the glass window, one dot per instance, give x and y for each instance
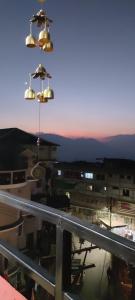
(126, 192)
(88, 175)
(59, 172)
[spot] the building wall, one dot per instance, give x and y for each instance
(103, 183)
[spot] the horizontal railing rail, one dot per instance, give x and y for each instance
(120, 247)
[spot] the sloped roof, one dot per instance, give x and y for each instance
(12, 144)
(21, 137)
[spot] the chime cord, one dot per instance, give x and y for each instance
(39, 121)
(39, 109)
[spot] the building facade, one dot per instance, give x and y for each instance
(18, 156)
(101, 184)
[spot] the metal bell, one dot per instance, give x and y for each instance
(41, 1)
(29, 94)
(30, 41)
(48, 93)
(44, 37)
(48, 47)
(41, 98)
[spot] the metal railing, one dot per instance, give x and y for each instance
(104, 239)
(12, 177)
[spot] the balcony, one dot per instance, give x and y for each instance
(66, 225)
(12, 179)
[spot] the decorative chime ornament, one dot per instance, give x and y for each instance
(41, 1)
(44, 42)
(41, 73)
(48, 93)
(48, 47)
(29, 93)
(44, 39)
(30, 40)
(41, 98)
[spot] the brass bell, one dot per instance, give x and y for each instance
(41, 1)
(48, 93)
(41, 98)
(29, 94)
(48, 47)
(44, 37)
(30, 41)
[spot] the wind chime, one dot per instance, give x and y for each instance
(45, 44)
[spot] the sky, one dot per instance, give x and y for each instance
(93, 67)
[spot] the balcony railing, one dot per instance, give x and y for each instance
(12, 177)
(64, 223)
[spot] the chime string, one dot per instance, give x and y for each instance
(39, 122)
(39, 118)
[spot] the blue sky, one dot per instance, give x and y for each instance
(93, 67)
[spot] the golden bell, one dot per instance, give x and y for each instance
(30, 41)
(41, 1)
(48, 47)
(29, 94)
(49, 94)
(41, 97)
(44, 37)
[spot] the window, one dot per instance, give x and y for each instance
(90, 188)
(68, 195)
(88, 175)
(126, 192)
(115, 188)
(59, 172)
(100, 177)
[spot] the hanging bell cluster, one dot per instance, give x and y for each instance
(44, 95)
(41, 20)
(44, 38)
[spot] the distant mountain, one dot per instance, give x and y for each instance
(89, 149)
(123, 145)
(77, 149)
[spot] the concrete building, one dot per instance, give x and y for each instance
(18, 155)
(101, 184)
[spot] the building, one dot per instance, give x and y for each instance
(18, 155)
(100, 184)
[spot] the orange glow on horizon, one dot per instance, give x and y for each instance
(75, 134)
(79, 134)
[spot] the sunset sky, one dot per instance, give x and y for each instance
(93, 67)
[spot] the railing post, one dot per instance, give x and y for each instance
(11, 177)
(63, 261)
(59, 262)
(67, 248)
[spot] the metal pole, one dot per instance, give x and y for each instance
(59, 262)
